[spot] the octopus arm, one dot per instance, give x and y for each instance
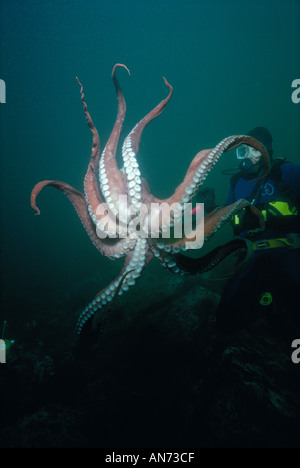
(212, 223)
(136, 133)
(90, 182)
(206, 263)
(204, 162)
(130, 149)
(135, 263)
(108, 247)
(111, 179)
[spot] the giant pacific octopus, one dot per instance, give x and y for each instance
(127, 181)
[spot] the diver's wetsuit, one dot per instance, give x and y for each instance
(271, 270)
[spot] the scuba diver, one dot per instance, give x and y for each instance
(271, 279)
(266, 275)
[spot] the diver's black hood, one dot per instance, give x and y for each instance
(249, 170)
(246, 169)
(263, 135)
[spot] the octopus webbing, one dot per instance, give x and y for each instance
(113, 184)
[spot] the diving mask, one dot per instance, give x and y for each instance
(245, 151)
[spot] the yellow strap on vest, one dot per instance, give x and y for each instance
(283, 208)
(280, 209)
(276, 243)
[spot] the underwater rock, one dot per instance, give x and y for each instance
(255, 390)
(50, 427)
(161, 375)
